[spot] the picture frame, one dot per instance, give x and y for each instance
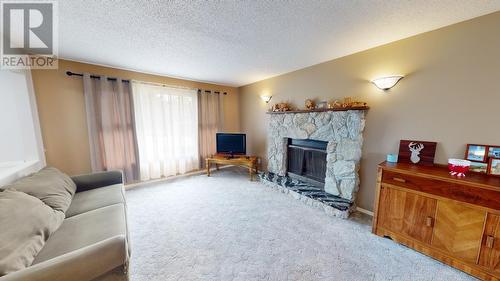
(494, 166)
(477, 153)
(494, 151)
(478, 167)
(417, 152)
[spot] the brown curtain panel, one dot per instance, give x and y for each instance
(110, 121)
(209, 122)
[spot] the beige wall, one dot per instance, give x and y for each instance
(62, 110)
(451, 94)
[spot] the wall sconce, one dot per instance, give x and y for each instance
(266, 99)
(387, 82)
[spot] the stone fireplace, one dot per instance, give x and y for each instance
(341, 131)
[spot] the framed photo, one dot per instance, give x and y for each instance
(478, 167)
(494, 152)
(417, 152)
(494, 167)
(477, 153)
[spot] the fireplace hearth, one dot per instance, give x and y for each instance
(309, 194)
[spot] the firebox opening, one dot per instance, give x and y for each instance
(306, 160)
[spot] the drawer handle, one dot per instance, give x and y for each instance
(490, 240)
(400, 180)
(429, 221)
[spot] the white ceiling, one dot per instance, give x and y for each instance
(240, 42)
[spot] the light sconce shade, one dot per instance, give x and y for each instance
(385, 83)
(266, 99)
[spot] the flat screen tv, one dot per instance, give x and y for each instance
(231, 144)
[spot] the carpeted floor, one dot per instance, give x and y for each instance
(228, 228)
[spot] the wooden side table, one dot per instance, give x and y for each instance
(250, 162)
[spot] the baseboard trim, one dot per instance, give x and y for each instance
(193, 173)
(364, 211)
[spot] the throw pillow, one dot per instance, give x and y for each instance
(49, 185)
(26, 223)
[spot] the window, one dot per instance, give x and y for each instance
(167, 129)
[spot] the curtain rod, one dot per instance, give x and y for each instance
(163, 85)
(208, 92)
(69, 73)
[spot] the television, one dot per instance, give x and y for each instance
(232, 144)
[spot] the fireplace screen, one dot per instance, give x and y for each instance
(307, 159)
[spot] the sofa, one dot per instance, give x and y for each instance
(92, 240)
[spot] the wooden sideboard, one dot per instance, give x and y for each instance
(454, 220)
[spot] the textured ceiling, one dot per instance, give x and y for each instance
(240, 42)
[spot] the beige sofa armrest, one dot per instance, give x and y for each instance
(83, 264)
(96, 180)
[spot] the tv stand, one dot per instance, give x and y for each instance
(250, 162)
(233, 156)
(229, 156)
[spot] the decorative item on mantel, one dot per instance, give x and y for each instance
(334, 104)
(309, 104)
(348, 102)
(322, 105)
(358, 104)
(281, 107)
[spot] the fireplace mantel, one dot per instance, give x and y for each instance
(320, 110)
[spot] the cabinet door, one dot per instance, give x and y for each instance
(458, 230)
(490, 247)
(419, 217)
(407, 213)
(391, 209)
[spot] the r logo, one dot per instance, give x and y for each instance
(27, 28)
(28, 34)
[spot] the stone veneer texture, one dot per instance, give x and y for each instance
(343, 130)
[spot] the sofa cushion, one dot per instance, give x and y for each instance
(26, 223)
(49, 185)
(88, 263)
(84, 230)
(96, 198)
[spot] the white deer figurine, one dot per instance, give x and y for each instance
(415, 149)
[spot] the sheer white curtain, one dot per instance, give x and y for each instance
(167, 129)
